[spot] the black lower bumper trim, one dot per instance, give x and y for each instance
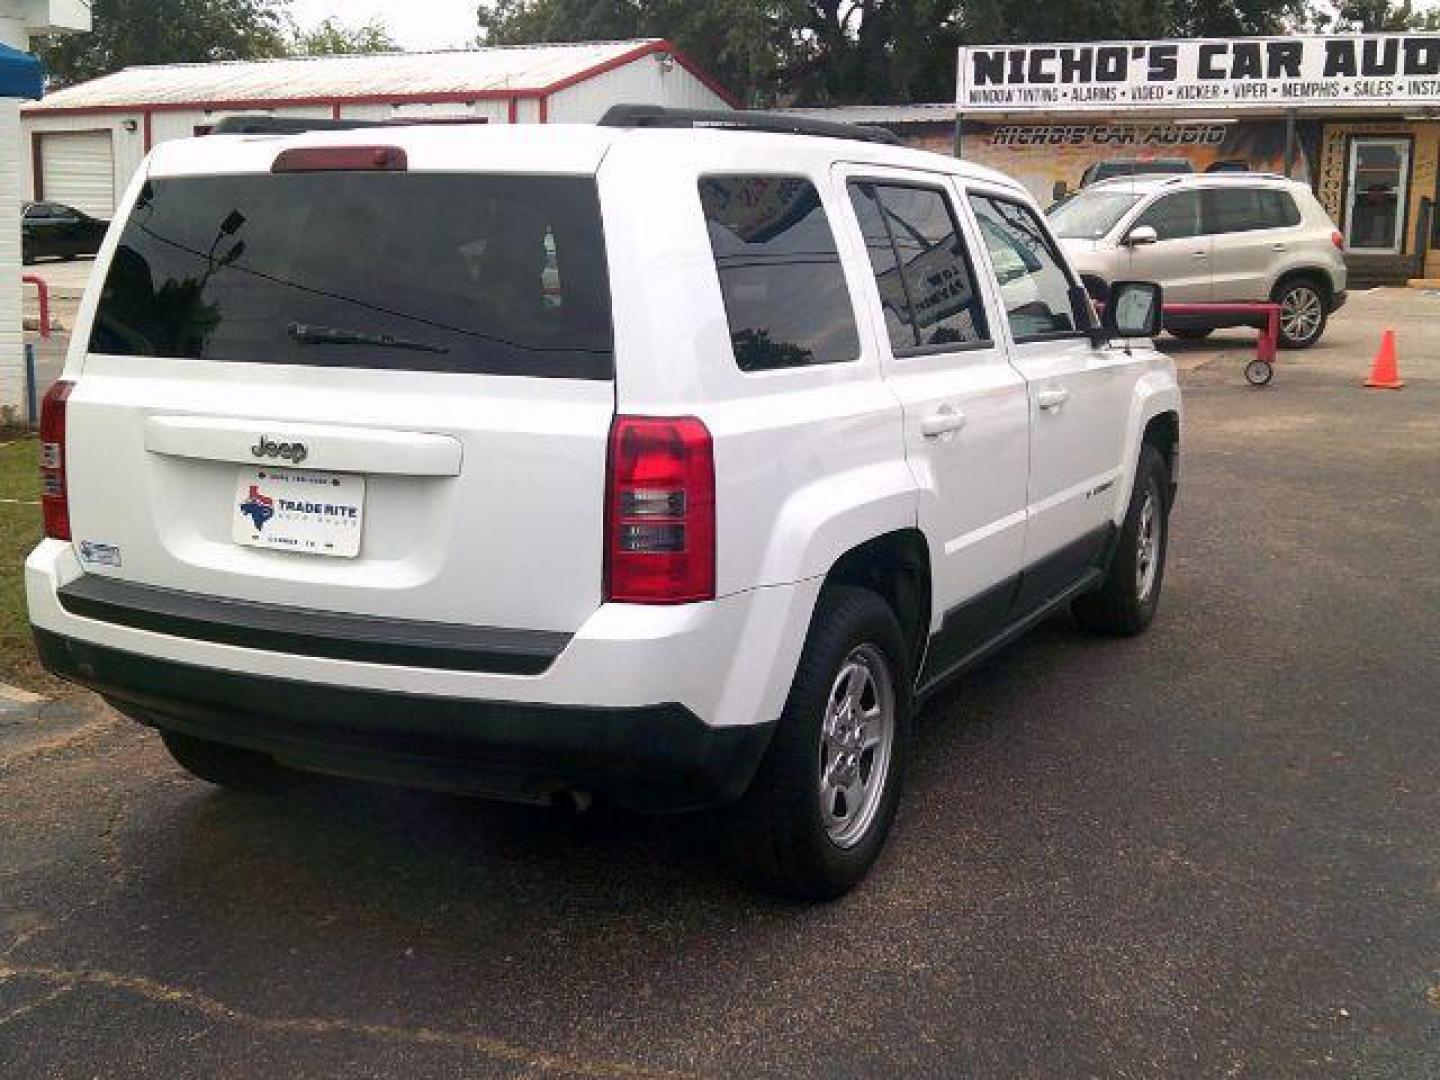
(655, 758)
(303, 632)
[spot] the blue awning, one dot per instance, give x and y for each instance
(21, 75)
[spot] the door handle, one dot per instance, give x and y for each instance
(1199, 254)
(942, 422)
(1051, 400)
(1278, 247)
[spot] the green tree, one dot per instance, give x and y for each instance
(129, 32)
(333, 37)
(1385, 16)
(851, 51)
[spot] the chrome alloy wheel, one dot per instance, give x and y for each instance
(1147, 544)
(857, 737)
(1301, 310)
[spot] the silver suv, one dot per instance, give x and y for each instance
(1223, 238)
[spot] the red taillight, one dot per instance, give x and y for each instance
(342, 159)
(54, 500)
(1338, 239)
(660, 512)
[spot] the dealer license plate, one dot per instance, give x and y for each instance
(310, 513)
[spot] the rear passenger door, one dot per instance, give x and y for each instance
(1080, 397)
(964, 405)
(1181, 259)
(1251, 228)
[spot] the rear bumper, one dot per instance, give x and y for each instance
(655, 758)
(728, 662)
(663, 708)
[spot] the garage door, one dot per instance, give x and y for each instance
(78, 169)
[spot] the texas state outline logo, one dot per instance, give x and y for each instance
(258, 507)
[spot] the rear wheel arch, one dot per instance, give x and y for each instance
(1313, 274)
(896, 567)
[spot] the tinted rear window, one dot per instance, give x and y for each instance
(780, 274)
(501, 275)
(1248, 209)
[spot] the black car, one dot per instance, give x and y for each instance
(55, 229)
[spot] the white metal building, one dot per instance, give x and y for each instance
(20, 20)
(86, 141)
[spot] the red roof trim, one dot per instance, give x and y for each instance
(452, 97)
(508, 93)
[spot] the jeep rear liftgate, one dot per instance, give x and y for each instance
(352, 388)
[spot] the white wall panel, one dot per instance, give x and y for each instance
(640, 82)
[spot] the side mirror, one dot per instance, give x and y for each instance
(1059, 191)
(1142, 235)
(1134, 310)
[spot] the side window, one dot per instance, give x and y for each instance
(926, 280)
(784, 289)
(1034, 284)
(899, 324)
(36, 211)
(1173, 217)
(1280, 210)
(1231, 210)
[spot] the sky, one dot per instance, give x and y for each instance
(414, 24)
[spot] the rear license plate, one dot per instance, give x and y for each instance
(310, 513)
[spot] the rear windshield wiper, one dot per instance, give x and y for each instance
(333, 335)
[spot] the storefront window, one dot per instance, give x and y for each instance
(1379, 171)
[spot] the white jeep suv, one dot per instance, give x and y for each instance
(666, 464)
(1216, 238)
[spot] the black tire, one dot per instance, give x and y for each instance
(1191, 333)
(781, 839)
(228, 766)
(1121, 607)
(1302, 291)
(1259, 373)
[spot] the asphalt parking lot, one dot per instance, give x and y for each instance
(1211, 851)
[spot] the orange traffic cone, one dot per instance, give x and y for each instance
(1385, 372)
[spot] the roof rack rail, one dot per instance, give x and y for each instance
(296, 125)
(659, 116)
(1226, 174)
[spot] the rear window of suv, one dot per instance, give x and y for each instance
(486, 274)
(780, 275)
(1230, 210)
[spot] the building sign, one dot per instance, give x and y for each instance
(1113, 136)
(1356, 70)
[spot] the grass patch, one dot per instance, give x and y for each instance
(19, 532)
